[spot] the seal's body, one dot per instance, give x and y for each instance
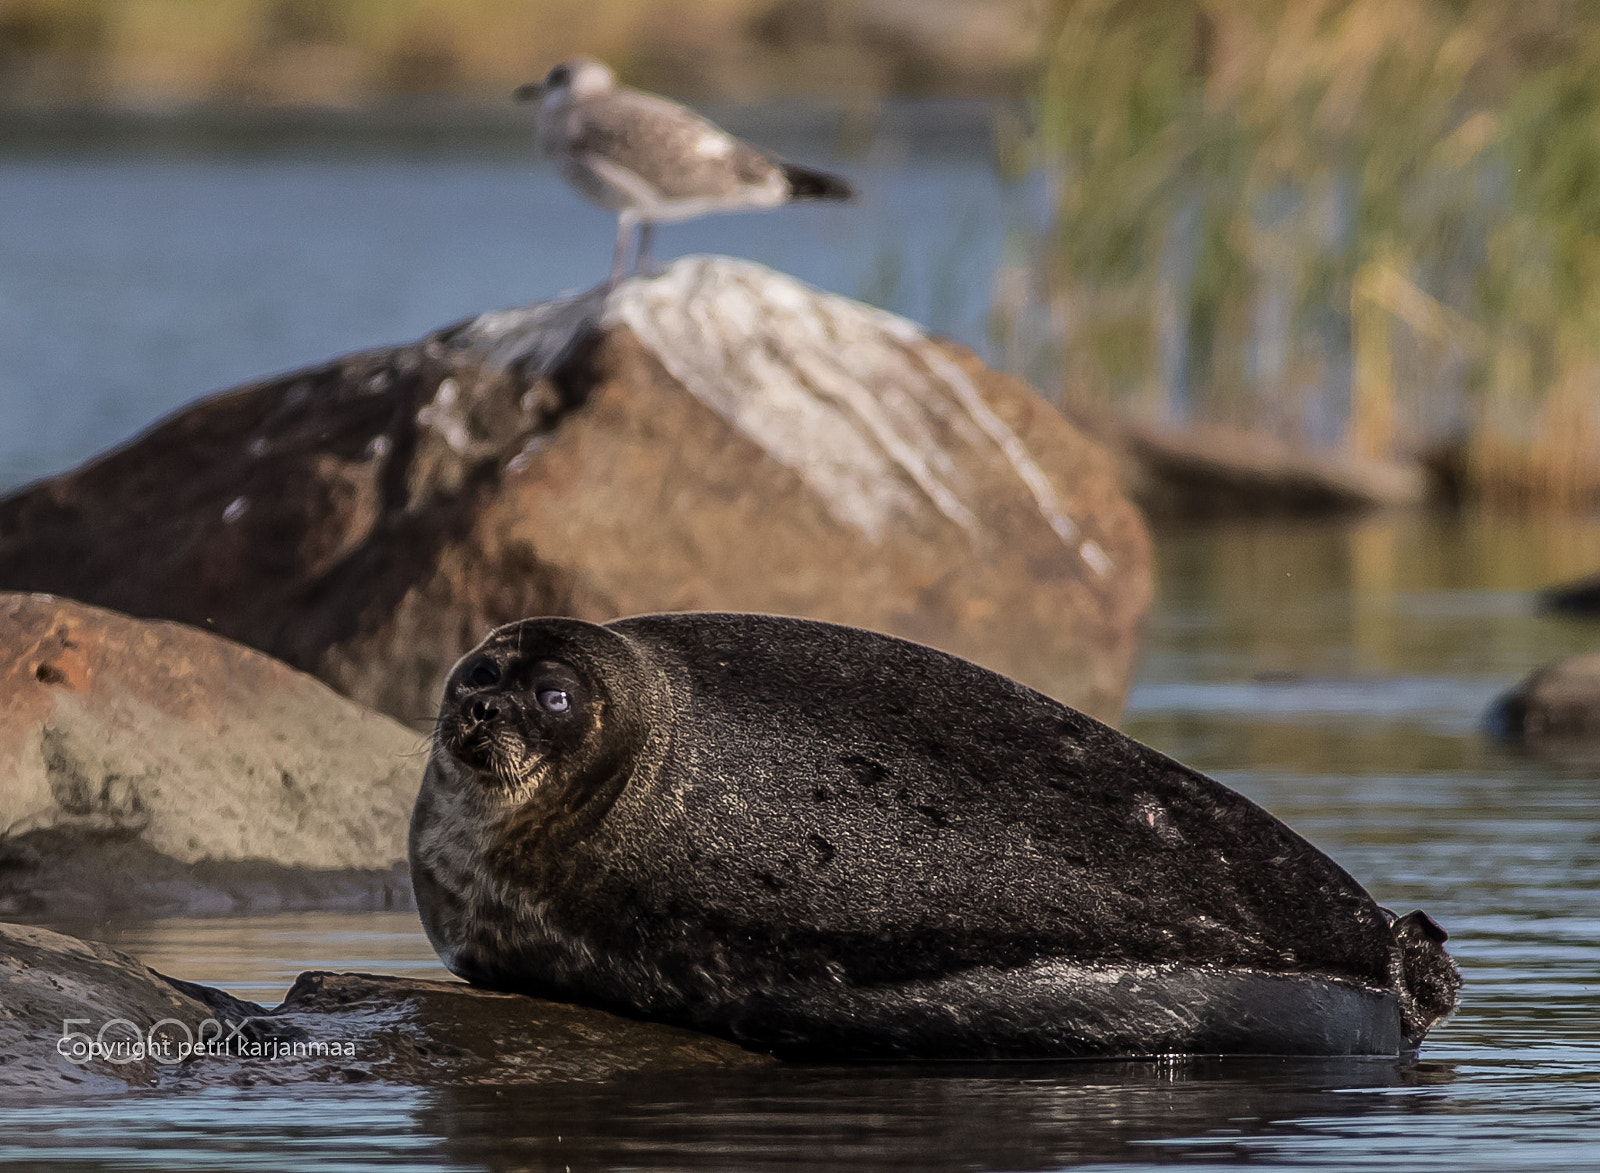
(832, 843)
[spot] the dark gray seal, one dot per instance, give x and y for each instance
(836, 844)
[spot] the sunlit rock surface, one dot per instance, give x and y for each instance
(719, 437)
(151, 768)
(78, 1018)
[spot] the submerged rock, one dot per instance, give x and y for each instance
(77, 1017)
(1574, 598)
(720, 437)
(151, 768)
(1210, 471)
(1555, 711)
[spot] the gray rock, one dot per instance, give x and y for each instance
(150, 768)
(1205, 470)
(407, 1030)
(1574, 598)
(57, 993)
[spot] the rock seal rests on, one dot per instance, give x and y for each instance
(836, 844)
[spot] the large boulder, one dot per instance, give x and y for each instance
(152, 768)
(77, 1017)
(719, 437)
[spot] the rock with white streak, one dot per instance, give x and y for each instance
(719, 437)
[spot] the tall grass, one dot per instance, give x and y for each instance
(178, 52)
(1366, 223)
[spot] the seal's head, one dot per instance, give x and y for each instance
(544, 708)
(541, 728)
(507, 720)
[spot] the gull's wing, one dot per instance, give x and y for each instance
(672, 149)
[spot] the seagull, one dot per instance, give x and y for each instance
(654, 161)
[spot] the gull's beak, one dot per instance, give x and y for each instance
(531, 92)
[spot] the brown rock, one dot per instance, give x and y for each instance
(60, 996)
(153, 768)
(718, 438)
(1212, 471)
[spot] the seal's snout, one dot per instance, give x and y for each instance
(476, 736)
(476, 714)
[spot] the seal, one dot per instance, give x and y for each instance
(830, 843)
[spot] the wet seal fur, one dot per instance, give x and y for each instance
(836, 844)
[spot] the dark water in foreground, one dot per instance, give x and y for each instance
(1335, 674)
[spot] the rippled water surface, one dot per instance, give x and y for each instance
(1335, 673)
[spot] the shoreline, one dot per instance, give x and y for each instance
(919, 126)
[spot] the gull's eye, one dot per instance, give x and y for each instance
(555, 700)
(481, 673)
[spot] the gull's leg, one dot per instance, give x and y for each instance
(641, 262)
(625, 225)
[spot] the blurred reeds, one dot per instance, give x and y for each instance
(169, 53)
(1366, 223)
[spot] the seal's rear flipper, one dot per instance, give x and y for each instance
(1430, 983)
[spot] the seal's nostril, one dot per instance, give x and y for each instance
(482, 711)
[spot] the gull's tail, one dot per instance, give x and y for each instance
(806, 184)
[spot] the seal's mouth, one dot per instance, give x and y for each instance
(497, 756)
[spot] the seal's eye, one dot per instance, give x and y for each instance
(481, 673)
(555, 700)
(559, 76)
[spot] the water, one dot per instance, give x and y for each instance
(1335, 673)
